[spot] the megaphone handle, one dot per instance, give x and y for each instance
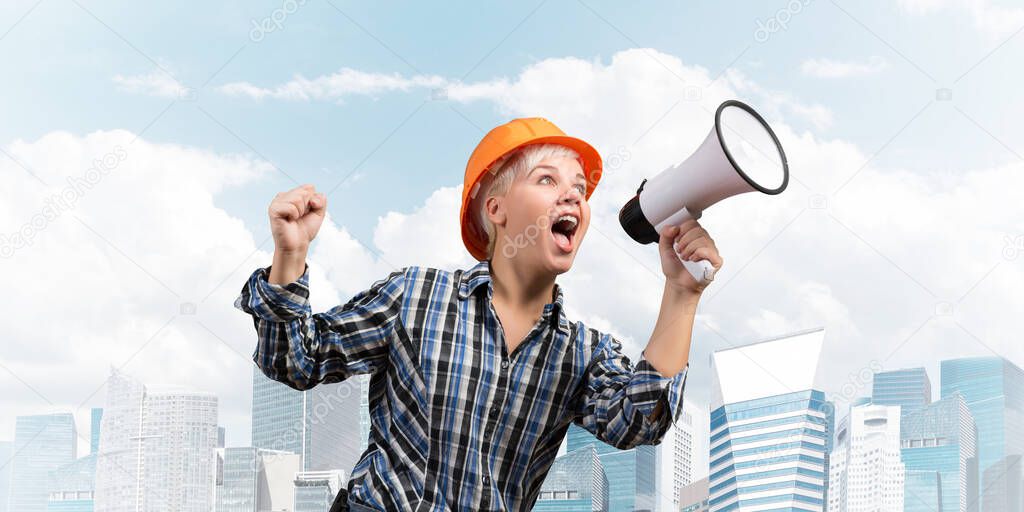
(702, 270)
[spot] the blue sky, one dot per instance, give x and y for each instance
(923, 222)
(65, 58)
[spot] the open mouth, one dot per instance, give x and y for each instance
(562, 230)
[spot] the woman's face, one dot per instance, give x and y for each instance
(553, 189)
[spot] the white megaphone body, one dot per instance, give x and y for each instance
(740, 154)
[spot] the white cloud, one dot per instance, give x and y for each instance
(345, 82)
(829, 68)
(871, 267)
(844, 267)
(508, 94)
(115, 252)
(156, 83)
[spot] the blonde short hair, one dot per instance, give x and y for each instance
(498, 180)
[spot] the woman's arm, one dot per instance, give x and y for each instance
(668, 350)
(302, 349)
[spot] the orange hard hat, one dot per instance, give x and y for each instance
(501, 141)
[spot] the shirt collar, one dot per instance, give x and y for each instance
(480, 274)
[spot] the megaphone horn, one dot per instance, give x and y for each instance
(740, 154)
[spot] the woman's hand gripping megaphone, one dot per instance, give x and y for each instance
(689, 257)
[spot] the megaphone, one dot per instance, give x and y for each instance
(740, 154)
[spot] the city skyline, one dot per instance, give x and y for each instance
(928, 482)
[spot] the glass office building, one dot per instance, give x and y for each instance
(908, 388)
(322, 424)
(239, 480)
(6, 451)
(315, 490)
(632, 474)
(994, 391)
(96, 417)
(941, 440)
(72, 486)
(771, 429)
(255, 480)
(42, 443)
(575, 483)
(922, 491)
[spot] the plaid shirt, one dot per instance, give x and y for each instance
(458, 423)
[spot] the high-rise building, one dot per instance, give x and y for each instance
(72, 486)
(922, 491)
(6, 451)
(96, 417)
(865, 472)
(157, 450)
(238, 487)
(694, 497)
(1005, 475)
(938, 447)
(994, 390)
(908, 388)
(42, 443)
(682, 454)
(576, 482)
(364, 411)
(118, 469)
(315, 490)
(632, 474)
(323, 424)
(771, 428)
(179, 436)
(256, 480)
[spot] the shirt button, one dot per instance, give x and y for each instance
(494, 409)
(504, 364)
(487, 480)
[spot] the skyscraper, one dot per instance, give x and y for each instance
(994, 391)
(694, 497)
(6, 451)
(179, 436)
(157, 450)
(72, 486)
(938, 445)
(632, 474)
(865, 472)
(364, 411)
(316, 490)
(771, 429)
(682, 454)
(238, 490)
(322, 424)
(922, 491)
(256, 480)
(96, 417)
(42, 443)
(576, 482)
(908, 388)
(118, 471)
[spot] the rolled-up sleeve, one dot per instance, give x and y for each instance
(301, 349)
(619, 399)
